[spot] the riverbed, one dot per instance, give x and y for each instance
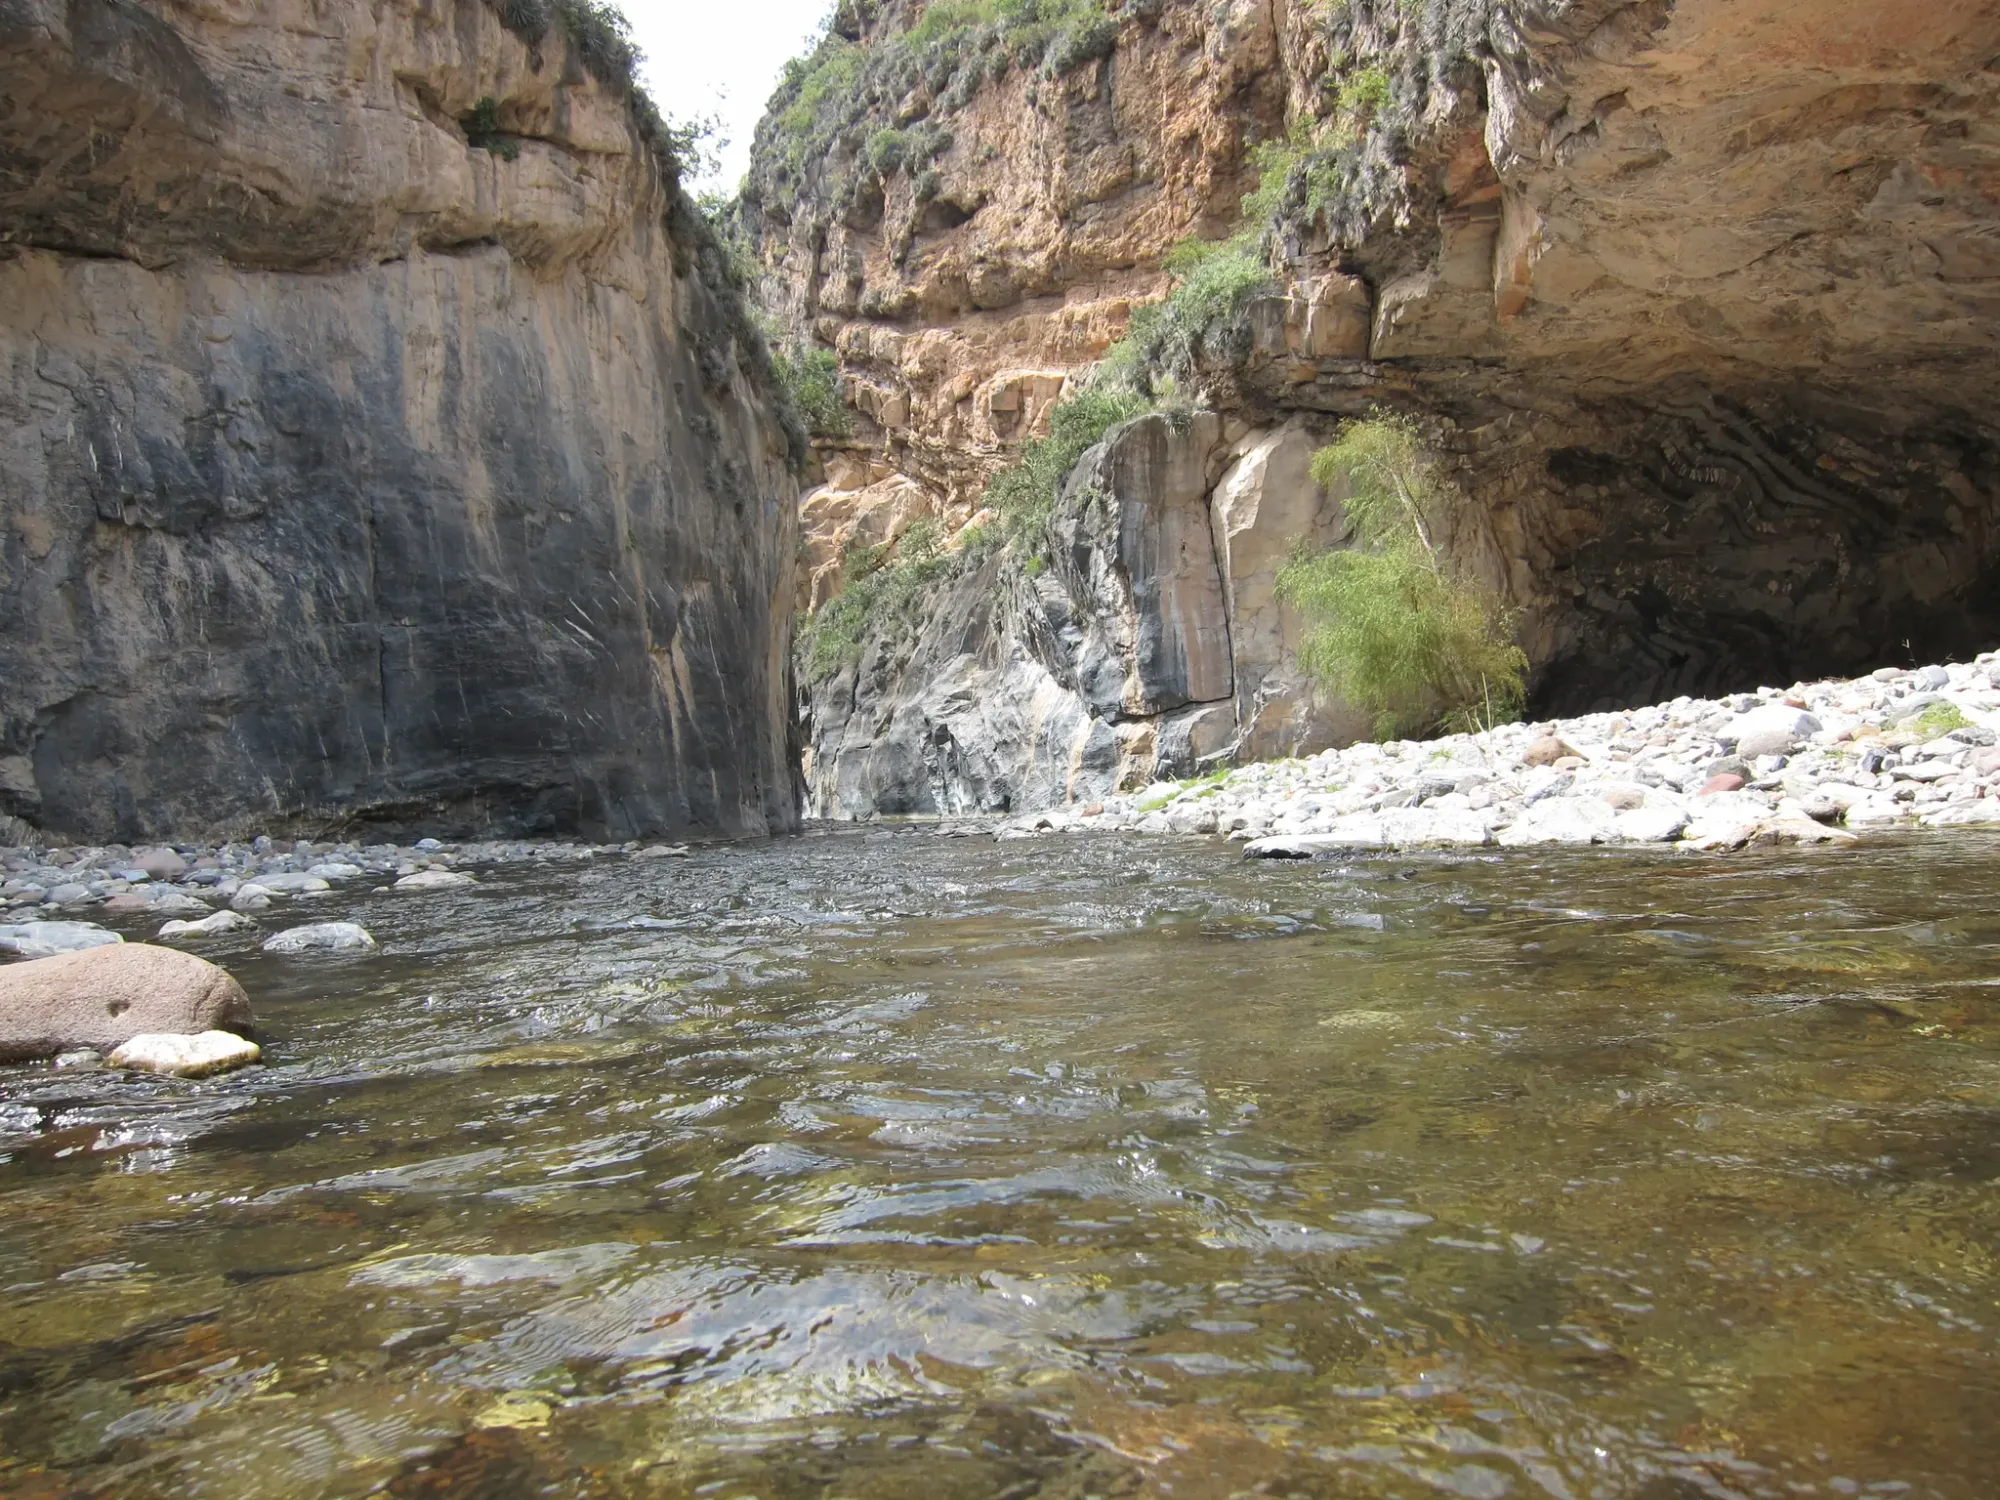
(882, 1164)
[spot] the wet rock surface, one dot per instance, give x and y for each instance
(196, 1055)
(322, 937)
(46, 939)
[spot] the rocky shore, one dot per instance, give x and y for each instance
(1810, 764)
(193, 881)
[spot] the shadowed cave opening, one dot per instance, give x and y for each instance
(1760, 543)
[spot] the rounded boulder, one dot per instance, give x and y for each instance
(1545, 751)
(102, 997)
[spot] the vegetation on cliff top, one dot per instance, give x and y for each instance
(1339, 175)
(1398, 626)
(817, 124)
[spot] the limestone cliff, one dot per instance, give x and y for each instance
(1699, 298)
(382, 440)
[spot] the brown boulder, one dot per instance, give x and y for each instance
(103, 997)
(1546, 751)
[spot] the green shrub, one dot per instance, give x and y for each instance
(1024, 496)
(481, 125)
(886, 591)
(817, 121)
(1214, 283)
(1393, 626)
(886, 151)
(1936, 720)
(811, 377)
(603, 41)
(527, 19)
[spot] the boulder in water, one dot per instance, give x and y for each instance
(102, 997)
(322, 937)
(213, 926)
(293, 883)
(434, 880)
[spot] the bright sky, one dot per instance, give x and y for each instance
(720, 57)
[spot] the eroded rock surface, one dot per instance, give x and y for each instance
(1698, 300)
(349, 469)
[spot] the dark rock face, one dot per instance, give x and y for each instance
(1747, 545)
(428, 488)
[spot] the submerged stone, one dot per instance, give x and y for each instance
(46, 939)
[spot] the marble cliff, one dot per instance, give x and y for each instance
(382, 438)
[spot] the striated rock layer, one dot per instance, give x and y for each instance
(352, 472)
(1702, 300)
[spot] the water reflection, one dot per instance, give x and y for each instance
(907, 1166)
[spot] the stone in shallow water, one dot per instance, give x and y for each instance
(662, 851)
(45, 939)
(1981, 813)
(1660, 824)
(322, 937)
(103, 997)
(213, 926)
(434, 880)
(185, 1055)
(161, 864)
(1874, 811)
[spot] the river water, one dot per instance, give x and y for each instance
(890, 1165)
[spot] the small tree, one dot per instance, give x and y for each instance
(1393, 625)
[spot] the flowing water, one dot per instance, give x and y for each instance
(885, 1165)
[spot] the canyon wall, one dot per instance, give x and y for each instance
(372, 454)
(1697, 300)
